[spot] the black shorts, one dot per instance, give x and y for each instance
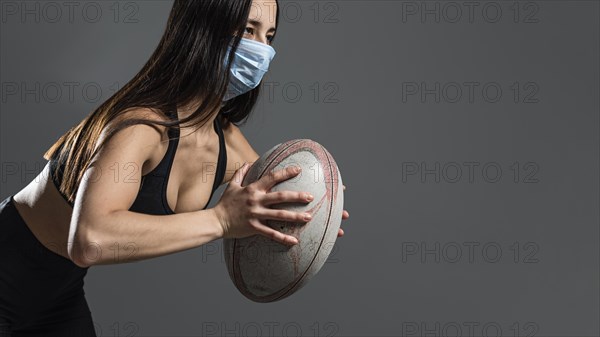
(41, 292)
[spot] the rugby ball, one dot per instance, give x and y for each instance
(264, 270)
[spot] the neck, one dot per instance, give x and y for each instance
(199, 132)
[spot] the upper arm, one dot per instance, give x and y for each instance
(239, 150)
(113, 178)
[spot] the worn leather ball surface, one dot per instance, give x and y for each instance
(264, 270)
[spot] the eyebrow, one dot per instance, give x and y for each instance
(259, 24)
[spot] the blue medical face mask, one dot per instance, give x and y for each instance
(250, 63)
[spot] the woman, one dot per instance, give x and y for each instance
(132, 175)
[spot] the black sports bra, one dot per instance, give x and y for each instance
(152, 196)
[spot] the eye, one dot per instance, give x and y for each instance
(249, 30)
(270, 38)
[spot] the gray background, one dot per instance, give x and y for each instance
(533, 229)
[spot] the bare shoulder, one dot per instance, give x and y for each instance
(142, 113)
(152, 134)
(139, 140)
(118, 166)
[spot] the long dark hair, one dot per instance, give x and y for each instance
(186, 66)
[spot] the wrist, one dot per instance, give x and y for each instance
(216, 220)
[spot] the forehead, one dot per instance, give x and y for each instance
(264, 11)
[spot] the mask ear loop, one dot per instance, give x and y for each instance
(229, 57)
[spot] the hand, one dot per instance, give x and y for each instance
(242, 210)
(345, 215)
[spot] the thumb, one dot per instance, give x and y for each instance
(239, 175)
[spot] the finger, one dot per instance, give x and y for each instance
(276, 235)
(283, 215)
(344, 187)
(345, 214)
(238, 177)
(276, 197)
(340, 233)
(276, 176)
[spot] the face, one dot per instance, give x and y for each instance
(261, 21)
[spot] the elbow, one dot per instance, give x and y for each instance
(79, 262)
(84, 250)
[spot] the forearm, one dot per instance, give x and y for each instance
(125, 236)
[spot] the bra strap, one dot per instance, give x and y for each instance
(222, 163)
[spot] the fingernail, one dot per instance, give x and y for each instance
(310, 197)
(307, 216)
